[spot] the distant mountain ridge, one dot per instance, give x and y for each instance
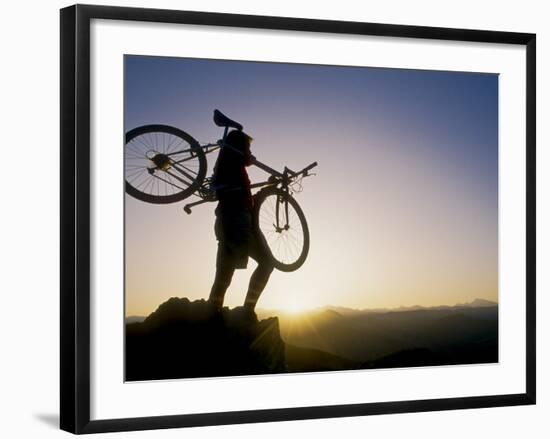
(344, 311)
(473, 304)
(341, 310)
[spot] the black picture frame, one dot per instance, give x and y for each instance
(75, 217)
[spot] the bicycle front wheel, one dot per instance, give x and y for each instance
(282, 227)
(162, 164)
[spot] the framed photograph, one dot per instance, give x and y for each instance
(274, 218)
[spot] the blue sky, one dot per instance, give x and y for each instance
(404, 207)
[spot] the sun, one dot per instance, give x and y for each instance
(295, 305)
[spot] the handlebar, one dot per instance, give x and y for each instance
(308, 168)
(303, 171)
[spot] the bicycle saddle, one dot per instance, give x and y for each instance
(222, 120)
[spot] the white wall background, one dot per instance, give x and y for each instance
(29, 248)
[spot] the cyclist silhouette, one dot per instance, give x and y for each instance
(233, 227)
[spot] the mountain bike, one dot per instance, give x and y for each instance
(164, 164)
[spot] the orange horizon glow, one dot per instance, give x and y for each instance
(402, 211)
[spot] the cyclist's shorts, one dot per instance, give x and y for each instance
(235, 236)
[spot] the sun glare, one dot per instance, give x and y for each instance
(296, 306)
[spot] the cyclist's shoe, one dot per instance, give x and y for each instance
(214, 312)
(249, 314)
(245, 315)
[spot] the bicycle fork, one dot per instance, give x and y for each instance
(281, 198)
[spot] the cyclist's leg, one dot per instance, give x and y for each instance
(260, 276)
(224, 273)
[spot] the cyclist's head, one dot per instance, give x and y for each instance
(240, 140)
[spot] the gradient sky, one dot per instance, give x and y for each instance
(403, 209)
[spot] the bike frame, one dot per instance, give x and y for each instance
(284, 179)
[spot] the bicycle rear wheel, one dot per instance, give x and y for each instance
(285, 237)
(162, 164)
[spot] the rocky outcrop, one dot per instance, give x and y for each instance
(184, 339)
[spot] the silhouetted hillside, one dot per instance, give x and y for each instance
(409, 358)
(184, 339)
(452, 335)
(134, 319)
(313, 360)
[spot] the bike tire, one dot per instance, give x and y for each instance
(134, 163)
(272, 249)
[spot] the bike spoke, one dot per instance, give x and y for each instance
(181, 180)
(170, 145)
(286, 244)
(170, 183)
